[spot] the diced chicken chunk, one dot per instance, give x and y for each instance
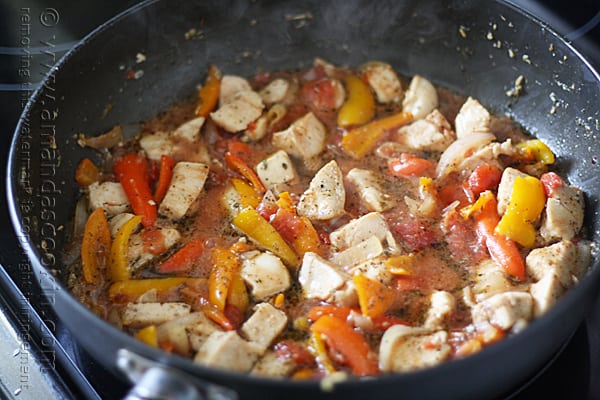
(490, 279)
(370, 188)
(472, 118)
(137, 252)
(421, 97)
(276, 171)
(405, 348)
(275, 91)
(110, 196)
(189, 130)
(184, 143)
(265, 273)
(505, 188)
(545, 293)
(361, 229)
(235, 115)
(433, 133)
(116, 222)
(200, 331)
(504, 310)
(228, 350)
(264, 325)
(305, 138)
(186, 185)
(563, 216)
(326, 196)
(374, 269)
(442, 304)
(139, 315)
(272, 365)
(176, 330)
(230, 86)
(359, 253)
(384, 81)
(319, 278)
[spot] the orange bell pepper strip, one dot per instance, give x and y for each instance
(119, 264)
(208, 95)
(350, 344)
(237, 164)
(87, 172)
(359, 107)
(183, 259)
(374, 297)
(218, 317)
(225, 265)
(333, 311)
(148, 335)
(129, 290)
(95, 247)
(237, 296)
(253, 225)
(133, 172)
(503, 250)
(359, 141)
(164, 177)
(297, 230)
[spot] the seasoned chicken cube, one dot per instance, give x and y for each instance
(110, 196)
(275, 91)
(472, 118)
(421, 97)
(230, 86)
(406, 348)
(265, 273)
(276, 172)
(137, 252)
(359, 253)
(490, 279)
(176, 331)
(305, 138)
(545, 293)
(184, 143)
(326, 196)
(442, 304)
(505, 188)
(384, 81)
(228, 350)
(345, 296)
(361, 229)
(264, 325)
(563, 216)
(116, 222)
(374, 269)
(244, 108)
(272, 365)
(189, 131)
(139, 315)
(562, 259)
(370, 188)
(186, 185)
(433, 133)
(319, 278)
(503, 310)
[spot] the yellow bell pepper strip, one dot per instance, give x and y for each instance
(537, 150)
(237, 164)
(133, 172)
(524, 208)
(87, 172)
(237, 296)
(503, 250)
(253, 225)
(359, 141)
(225, 266)
(374, 297)
(164, 177)
(95, 247)
(130, 290)
(183, 260)
(148, 335)
(248, 196)
(359, 107)
(208, 95)
(119, 264)
(316, 346)
(400, 265)
(350, 344)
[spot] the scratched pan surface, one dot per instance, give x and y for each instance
(457, 44)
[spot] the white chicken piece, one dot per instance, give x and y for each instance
(489, 279)
(374, 269)
(264, 325)
(244, 108)
(370, 188)
(319, 278)
(138, 255)
(421, 97)
(563, 215)
(186, 185)
(360, 229)
(406, 348)
(176, 331)
(325, 197)
(228, 350)
(488, 154)
(359, 253)
(505, 188)
(384, 81)
(442, 304)
(265, 273)
(545, 293)
(230, 86)
(459, 155)
(345, 296)
(304, 138)
(276, 172)
(116, 222)
(472, 118)
(110, 196)
(139, 315)
(271, 365)
(199, 332)
(275, 91)
(185, 142)
(432, 133)
(503, 310)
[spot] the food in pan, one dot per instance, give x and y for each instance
(326, 220)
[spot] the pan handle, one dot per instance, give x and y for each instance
(154, 381)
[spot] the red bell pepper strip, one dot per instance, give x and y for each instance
(164, 177)
(133, 173)
(238, 165)
(183, 259)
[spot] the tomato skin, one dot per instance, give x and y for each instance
(413, 233)
(551, 181)
(319, 94)
(484, 177)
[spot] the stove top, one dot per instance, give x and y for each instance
(41, 357)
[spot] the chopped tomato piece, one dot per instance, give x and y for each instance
(319, 94)
(410, 166)
(484, 177)
(551, 181)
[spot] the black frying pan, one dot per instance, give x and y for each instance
(462, 45)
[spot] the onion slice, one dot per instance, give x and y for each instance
(459, 150)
